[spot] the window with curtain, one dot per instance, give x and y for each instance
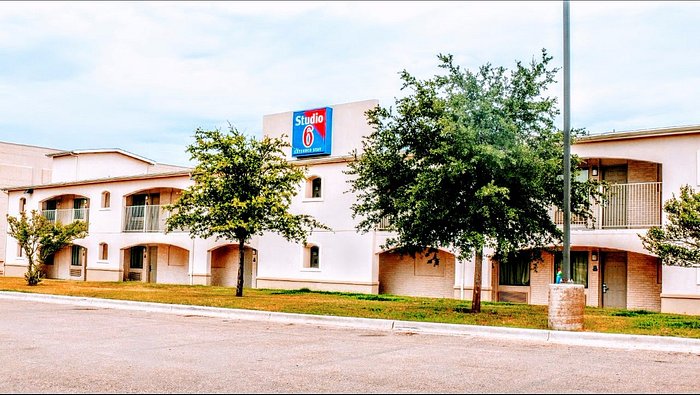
(75, 256)
(579, 266)
(515, 270)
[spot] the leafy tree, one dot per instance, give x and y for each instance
(467, 160)
(242, 187)
(678, 242)
(40, 238)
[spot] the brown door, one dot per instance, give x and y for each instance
(615, 209)
(615, 280)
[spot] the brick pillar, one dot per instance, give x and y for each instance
(566, 303)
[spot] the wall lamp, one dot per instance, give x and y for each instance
(594, 172)
(594, 258)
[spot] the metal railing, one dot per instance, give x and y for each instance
(145, 218)
(384, 224)
(66, 216)
(625, 206)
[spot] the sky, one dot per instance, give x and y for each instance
(142, 76)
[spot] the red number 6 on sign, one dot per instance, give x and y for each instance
(308, 137)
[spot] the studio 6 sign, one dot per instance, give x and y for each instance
(311, 132)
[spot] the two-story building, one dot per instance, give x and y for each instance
(121, 194)
(20, 164)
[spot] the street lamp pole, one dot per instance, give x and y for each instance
(566, 255)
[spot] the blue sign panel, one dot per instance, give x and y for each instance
(312, 132)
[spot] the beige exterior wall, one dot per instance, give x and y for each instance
(225, 263)
(643, 287)
(638, 171)
(19, 165)
(541, 278)
(680, 304)
(415, 276)
(316, 285)
(94, 274)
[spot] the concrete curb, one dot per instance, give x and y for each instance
(590, 339)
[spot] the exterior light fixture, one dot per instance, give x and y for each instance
(594, 172)
(594, 256)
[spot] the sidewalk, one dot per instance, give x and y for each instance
(590, 339)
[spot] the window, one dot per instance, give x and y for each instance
(106, 197)
(76, 256)
(104, 251)
(579, 266)
(22, 203)
(20, 251)
(313, 188)
(136, 257)
(316, 188)
(311, 257)
(515, 270)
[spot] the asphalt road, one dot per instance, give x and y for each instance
(75, 349)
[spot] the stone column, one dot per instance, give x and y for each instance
(566, 303)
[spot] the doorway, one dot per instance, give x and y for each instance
(615, 279)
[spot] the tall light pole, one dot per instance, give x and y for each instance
(566, 255)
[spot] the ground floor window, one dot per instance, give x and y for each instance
(76, 255)
(136, 257)
(579, 266)
(515, 269)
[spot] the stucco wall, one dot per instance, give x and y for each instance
(415, 276)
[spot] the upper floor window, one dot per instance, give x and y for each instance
(22, 204)
(106, 198)
(313, 187)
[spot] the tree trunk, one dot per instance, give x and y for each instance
(476, 294)
(241, 265)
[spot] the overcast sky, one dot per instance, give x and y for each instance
(142, 76)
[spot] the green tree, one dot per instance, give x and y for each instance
(467, 160)
(242, 188)
(678, 242)
(40, 238)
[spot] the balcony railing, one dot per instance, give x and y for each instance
(625, 206)
(384, 224)
(66, 216)
(145, 218)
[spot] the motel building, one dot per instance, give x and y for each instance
(121, 196)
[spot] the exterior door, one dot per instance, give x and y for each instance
(615, 280)
(136, 255)
(615, 209)
(152, 263)
(79, 208)
(78, 262)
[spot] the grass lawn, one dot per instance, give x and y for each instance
(403, 308)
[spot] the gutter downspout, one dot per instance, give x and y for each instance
(461, 285)
(192, 264)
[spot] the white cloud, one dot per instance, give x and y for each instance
(161, 69)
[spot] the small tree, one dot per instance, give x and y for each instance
(678, 242)
(242, 187)
(468, 160)
(39, 238)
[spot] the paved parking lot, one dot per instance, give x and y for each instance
(63, 348)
